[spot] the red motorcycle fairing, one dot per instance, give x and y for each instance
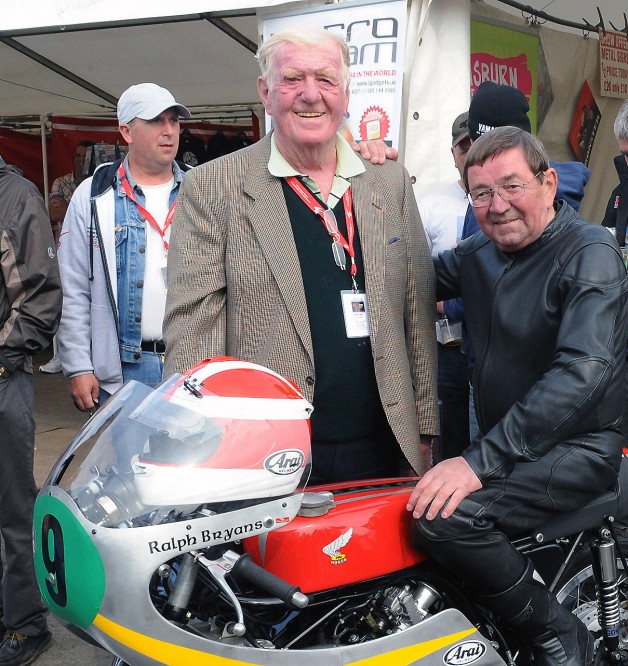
(362, 533)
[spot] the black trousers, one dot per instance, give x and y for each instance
(625, 411)
(453, 392)
(374, 457)
(474, 541)
(21, 606)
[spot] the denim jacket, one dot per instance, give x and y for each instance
(130, 238)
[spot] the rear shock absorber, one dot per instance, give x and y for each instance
(604, 558)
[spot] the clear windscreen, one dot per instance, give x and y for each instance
(150, 454)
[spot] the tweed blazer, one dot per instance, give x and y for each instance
(235, 285)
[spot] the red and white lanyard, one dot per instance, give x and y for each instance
(126, 186)
(329, 222)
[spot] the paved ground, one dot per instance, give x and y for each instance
(57, 421)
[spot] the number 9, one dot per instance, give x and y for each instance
(52, 540)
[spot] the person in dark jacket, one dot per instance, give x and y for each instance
(546, 297)
(617, 211)
(498, 105)
(30, 307)
(616, 214)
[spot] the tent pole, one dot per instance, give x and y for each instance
(62, 71)
(231, 31)
(44, 155)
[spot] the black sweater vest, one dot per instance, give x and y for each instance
(346, 401)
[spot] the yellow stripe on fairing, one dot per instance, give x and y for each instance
(176, 655)
(160, 651)
(410, 654)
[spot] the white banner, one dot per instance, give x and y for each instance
(27, 14)
(613, 64)
(375, 33)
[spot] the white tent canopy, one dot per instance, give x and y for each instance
(28, 15)
(84, 70)
(98, 48)
(32, 14)
(76, 57)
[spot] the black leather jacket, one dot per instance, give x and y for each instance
(548, 327)
(616, 214)
(30, 286)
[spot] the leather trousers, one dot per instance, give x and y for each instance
(474, 542)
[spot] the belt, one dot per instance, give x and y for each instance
(156, 346)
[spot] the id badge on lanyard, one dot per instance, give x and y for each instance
(354, 301)
(356, 313)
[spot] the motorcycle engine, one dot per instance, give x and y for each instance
(387, 612)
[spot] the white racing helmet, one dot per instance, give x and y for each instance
(227, 430)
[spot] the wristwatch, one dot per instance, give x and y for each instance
(4, 372)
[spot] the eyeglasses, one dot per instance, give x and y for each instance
(508, 192)
(338, 252)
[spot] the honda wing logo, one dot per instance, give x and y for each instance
(333, 549)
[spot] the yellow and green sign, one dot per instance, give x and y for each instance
(508, 57)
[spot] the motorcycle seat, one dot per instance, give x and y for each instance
(613, 502)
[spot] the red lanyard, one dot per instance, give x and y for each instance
(126, 186)
(330, 223)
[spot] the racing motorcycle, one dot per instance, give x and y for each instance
(177, 529)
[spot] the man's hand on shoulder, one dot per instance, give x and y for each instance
(375, 152)
(443, 487)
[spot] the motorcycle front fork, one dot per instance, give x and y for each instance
(604, 560)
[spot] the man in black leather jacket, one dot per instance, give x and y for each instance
(547, 301)
(617, 211)
(616, 214)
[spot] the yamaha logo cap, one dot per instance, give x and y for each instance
(495, 105)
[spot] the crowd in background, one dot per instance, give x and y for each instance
(476, 339)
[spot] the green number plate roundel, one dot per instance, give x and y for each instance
(69, 569)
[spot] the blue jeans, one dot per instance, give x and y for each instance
(149, 371)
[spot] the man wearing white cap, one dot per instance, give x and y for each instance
(113, 251)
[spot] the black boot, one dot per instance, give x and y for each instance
(556, 636)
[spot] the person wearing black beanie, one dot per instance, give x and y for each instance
(496, 105)
(616, 214)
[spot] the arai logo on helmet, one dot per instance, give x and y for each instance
(464, 653)
(284, 462)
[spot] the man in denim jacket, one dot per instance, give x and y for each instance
(113, 250)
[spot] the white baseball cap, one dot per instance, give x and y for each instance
(147, 101)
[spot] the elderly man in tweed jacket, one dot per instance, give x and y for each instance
(296, 254)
